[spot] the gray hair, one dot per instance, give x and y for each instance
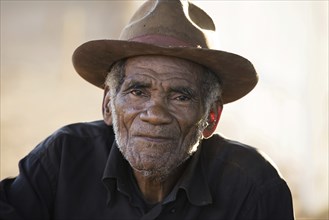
(210, 89)
(116, 76)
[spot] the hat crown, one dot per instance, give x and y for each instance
(175, 28)
(170, 23)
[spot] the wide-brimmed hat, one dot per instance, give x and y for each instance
(172, 28)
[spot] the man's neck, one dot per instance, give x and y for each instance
(155, 189)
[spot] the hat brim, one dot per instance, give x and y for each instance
(92, 61)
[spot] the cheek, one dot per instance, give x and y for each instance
(125, 114)
(126, 106)
(191, 128)
(190, 119)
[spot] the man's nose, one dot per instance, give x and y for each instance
(156, 113)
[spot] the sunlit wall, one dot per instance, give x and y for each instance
(286, 116)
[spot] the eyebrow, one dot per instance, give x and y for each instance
(137, 84)
(140, 84)
(184, 90)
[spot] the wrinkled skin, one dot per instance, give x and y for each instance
(158, 114)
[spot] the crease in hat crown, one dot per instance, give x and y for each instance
(175, 28)
(187, 25)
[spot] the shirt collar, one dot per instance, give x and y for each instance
(193, 181)
(116, 173)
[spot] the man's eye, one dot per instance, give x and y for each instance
(182, 98)
(137, 92)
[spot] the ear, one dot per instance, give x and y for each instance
(213, 119)
(107, 116)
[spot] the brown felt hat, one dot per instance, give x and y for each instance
(173, 28)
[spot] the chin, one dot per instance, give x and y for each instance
(158, 171)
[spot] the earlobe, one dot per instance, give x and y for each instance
(213, 119)
(107, 116)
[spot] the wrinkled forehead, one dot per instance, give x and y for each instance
(164, 68)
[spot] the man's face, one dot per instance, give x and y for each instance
(158, 113)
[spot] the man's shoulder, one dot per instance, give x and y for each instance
(84, 129)
(241, 178)
(232, 157)
(78, 135)
(218, 147)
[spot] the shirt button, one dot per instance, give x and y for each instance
(173, 210)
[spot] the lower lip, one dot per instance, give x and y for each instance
(154, 139)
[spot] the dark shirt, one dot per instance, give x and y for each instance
(79, 173)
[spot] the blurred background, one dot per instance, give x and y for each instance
(285, 116)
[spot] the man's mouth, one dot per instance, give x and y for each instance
(154, 138)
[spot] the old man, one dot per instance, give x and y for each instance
(155, 154)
